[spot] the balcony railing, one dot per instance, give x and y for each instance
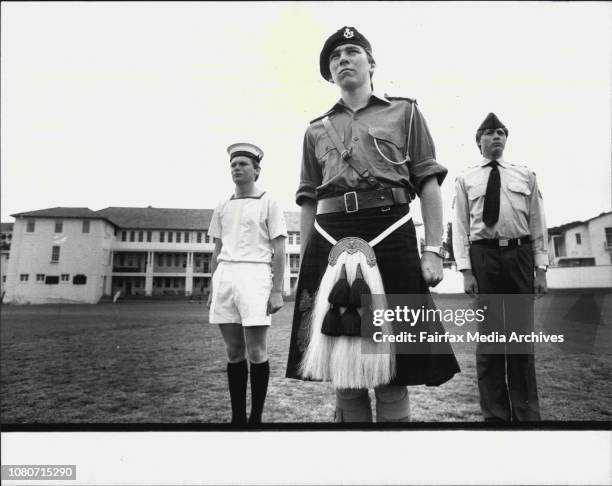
(129, 269)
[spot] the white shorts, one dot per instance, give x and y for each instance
(240, 294)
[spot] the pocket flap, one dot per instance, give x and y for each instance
(475, 192)
(520, 187)
(381, 133)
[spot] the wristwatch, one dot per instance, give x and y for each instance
(438, 250)
(542, 267)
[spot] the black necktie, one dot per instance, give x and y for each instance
(490, 215)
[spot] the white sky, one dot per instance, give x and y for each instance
(134, 104)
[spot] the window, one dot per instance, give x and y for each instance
(124, 236)
(121, 260)
(169, 236)
(23, 277)
(30, 226)
(130, 262)
(294, 262)
(297, 238)
(578, 239)
(290, 238)
(167, 282)
(136, 284)
(186, 236)
(160, 260)
(132, 236)
(176, 260)
(40, 277)
(79, 279)
(207, 237)
(178, 236)
(55, 254)
(3, 278)
(86, 226)
(161, 236)
(168, 260)
(199, 237)
(608, 236)
(141, 236)
(149, 236)
(52, 280)
(59, 226)
(176, 282)
(65, 277)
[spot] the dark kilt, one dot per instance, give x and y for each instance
(400, 268)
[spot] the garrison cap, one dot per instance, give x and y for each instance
(245, 149)
(491, 122)
(346, 35)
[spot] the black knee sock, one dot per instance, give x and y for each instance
(237, 377)
(260, 374)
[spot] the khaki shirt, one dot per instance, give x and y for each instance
(521, 210)
(377, 136)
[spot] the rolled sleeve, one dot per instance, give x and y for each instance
(422, 153)
(461, 227)
(311, 176)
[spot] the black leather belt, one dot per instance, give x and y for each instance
(500, 243)
(351, 202)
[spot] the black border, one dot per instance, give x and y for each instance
(309, 427)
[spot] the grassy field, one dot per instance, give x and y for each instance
(160, 362)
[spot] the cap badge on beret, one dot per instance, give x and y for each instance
(348, 33)
(344, 35)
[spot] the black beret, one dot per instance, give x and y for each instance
(346, 35)
(491, 122)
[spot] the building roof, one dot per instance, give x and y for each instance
(158, 218)
(142, 218)
(59, 212)
(64, 213)
(172, 218)
(6, 227)
(557, 230)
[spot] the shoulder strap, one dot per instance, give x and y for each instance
(345, 154)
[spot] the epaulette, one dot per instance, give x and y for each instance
(321, 116)
(412, 100)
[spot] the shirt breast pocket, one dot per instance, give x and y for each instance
(389, 145)
(328, 158)
(519, 194)
(475, 192)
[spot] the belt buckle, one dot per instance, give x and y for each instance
(351, 204)
(503, 242)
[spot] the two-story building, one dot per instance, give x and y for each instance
(6, 235)
(80, 255)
